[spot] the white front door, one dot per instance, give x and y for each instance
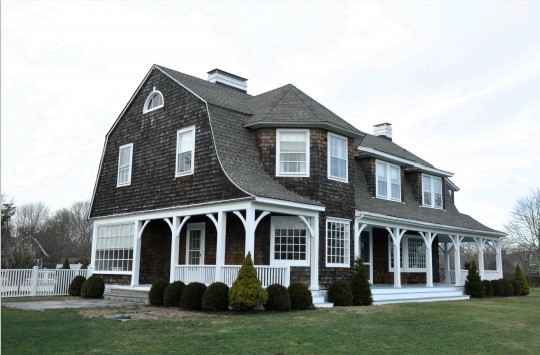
(195, 244)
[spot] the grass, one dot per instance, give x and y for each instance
(495, 325)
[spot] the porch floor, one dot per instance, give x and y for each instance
(384, 294)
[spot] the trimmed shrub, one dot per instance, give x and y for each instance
(300, 296)
(508, 290)
(216, 298)
(173, 294)
(76, 285)
(498, 289)
(516, 288)
(192, 296)
(157, 291)
(246, 291)
(520, 277)
(65, 265)
(278, 298)
(488, 288)
(93, 287)
(340, 294)
(84, 265)
(473, 284)
(361, 290)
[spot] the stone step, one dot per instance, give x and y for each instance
(126, 299)
(126, 295)
(424, 295)
(425, 299)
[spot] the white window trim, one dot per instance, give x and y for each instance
(432, 205)
(347, 263)
(196, 226)
(128, 182)
(276, 262)
(338, 178)
(178, 133)
(388, 181)
(278, 155)
(154, 91)
(405, 254)
(109, 248)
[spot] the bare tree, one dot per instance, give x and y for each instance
(82, 228)
(524, 230)
(30, 219)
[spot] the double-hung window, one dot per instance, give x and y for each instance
(185, 151)
(289, 241)
(412, 254)
(125, 156)
(337, 157)
(292, 152)
(432, 191)
(338, 243)
(388, 181)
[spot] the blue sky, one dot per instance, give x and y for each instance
(458, 80)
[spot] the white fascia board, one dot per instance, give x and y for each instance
(288, 204)
(412, 164)
(396, 222)
(451, 184)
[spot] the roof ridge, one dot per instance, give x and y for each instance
(316, 114)
(275, 104)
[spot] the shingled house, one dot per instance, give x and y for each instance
(197, 173)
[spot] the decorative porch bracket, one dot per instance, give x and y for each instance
(480, 243)
(176, 227)
(221, 228)
(456, 240)
(250, 225)
(139, 229)
(428, 239)
(396, 234)
(357, 231)
(313, 229)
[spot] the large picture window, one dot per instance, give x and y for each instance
(185, 151)
(412, 254)
(292, 155)
(337, 157)
(388, 181)
(432, 191)
(114, 247)
(338, 244)
(289, 241)
(125, 157)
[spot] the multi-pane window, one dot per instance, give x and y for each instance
(114, 247)
(412, 254)
(290, 241)
(388, 181)
(337, 157)
(432, 191)
(153, 101)
(292, 156)
(124, 165)
(185, 151)
(337, 243)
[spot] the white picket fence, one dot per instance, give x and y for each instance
(36, 282)
(206, 274)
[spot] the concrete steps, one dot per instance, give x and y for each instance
(125, 294)
(386, 295)
(319, 299)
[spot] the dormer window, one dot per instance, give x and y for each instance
(432, 191)
(292, 152)
(153, 102)
(388, 181)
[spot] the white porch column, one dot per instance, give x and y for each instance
(250, 233)
(456, 240)
(94, 245)
(428, 239)
(313, 229)
(480, 243)
(396, 234)
(498, 257)
(221, 227)
(136, 263)
(446, 253)
(178, 223)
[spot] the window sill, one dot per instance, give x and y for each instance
(348, 266)
(153, 109)
(346, 181)
(389, 199)
(283, 263)
(184, 174)
(123, 185)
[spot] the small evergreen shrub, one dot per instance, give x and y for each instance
(76, 285)
(340, 294)
(93, 287)
(246, 291)
(173, 294)
(508, 290)
(157, 291)
(278, 298)
(520, 277)
(216, 297)
(361, 290)
(488, 288)
(473, 284)
(84, 265)
(65, 265)
(192, 296)
(498, 289)
(516, 287)
(300, 296)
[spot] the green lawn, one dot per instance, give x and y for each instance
(495, 326)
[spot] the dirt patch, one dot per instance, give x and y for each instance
(146, 313)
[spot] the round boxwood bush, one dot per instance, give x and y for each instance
(300, 296)
(173, 294)
(516, 287)
(340, 294)
(157, 291)
(488, 288)
(278, 298)
(508, 290)
(192, 295)
(498, 289)
(76, 285)
(216, 298)
(93, 287)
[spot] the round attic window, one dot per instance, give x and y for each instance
(153, 102)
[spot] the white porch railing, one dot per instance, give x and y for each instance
(35, 282)
(268, 275)
(488, 275)
(491, 275)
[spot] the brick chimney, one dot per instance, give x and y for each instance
(383, 130)
(220, 77)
